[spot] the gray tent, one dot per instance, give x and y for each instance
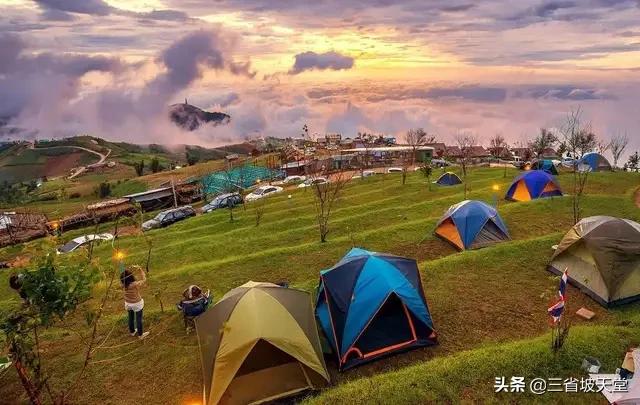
(602, 255)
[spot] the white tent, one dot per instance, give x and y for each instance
(632, 394)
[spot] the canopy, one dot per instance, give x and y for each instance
(603, 257)
(595, 161)
(533, 184)
(259, 343)
(372, 304)
(448, 179)
(631, 396)
(471, 224)
(545, 165)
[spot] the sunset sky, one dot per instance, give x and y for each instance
(110, 67)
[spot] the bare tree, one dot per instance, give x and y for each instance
(579, 140)
(617, 145)
(498, 148)
(415, 138)
(465, 142)
(602, 147)
(545, 140)
(326, 196)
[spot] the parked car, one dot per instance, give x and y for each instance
(293, 179)
(222, 201)
(439, 163)
(261, 192)
(83, 240)
(395, 170)
(168, 217)
(368, 173)
(313, 182)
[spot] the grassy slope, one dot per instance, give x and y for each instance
(497, 294)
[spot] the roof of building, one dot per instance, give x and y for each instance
(387, 149)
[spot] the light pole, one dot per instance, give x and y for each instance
(496, 189)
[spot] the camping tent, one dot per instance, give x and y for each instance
(545, 165)
(448, 179)
(628, 396)
(372, 304)
(471, 224)
(259, 343)
(595, 161)
(603, 257)
(531, 185)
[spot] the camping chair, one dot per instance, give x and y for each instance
(193, 308)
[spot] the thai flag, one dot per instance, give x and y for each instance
(557, 309)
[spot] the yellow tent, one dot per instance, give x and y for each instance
(259, 343)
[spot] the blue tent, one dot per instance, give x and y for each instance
(448, 179)
(595, 161)
(471, 224)
(545, 165)
(531, 185)
(372, 304)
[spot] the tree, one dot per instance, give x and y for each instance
(498, 148)
(617, 145)
(579, 140)
(545, 140)
(415, 138)
(326, 195)
(103, 189)
(465, 142)
(633, 162)
(427, 170)
(602, 146)
(192, 157)
(155, 165)
(139, 167)
(562, 149)
(52, 294)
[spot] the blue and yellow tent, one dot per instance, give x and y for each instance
(471, 224)
(448, 179)
(531, 185)
(371, 305)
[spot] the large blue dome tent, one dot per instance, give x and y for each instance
(531, 185)
(371, 305)
(595, 161)
(471, 224)
(448, 179)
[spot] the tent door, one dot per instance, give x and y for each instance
(267, 373)
(391, 328)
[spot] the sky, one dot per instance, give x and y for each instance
(111, 67)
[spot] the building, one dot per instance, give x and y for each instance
(439, 149)
(295, 168)
(387, 154)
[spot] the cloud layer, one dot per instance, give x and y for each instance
(321, 61)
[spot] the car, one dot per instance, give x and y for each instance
(293, 179)
(439, 163)
(368, 173)
(74, 244)
(261, 192)
(168, 217)
(313, 182)
(222, 201)
(395, 170)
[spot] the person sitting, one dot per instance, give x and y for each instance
(194, 303)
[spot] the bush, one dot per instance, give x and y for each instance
(74, 195)
(103, 190)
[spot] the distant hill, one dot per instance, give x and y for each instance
(190, 117)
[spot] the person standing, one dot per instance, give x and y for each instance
(133, 302)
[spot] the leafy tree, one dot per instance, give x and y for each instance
(155, 165)
(546, 139)
(52, 294)
(634, 162)
(139, 167)
(103, 189)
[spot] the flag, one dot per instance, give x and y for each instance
(556, 310)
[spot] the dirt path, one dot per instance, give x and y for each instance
(102, 157)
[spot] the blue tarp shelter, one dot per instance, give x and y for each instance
(471, 224)
(531, 185)
(595, 161)
(371, 305)
(448, 179)
(238, 178)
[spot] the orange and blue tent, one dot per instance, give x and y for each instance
(372, 305)
(533, 184)
(471, 224)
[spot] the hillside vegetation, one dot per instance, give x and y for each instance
(488, 305)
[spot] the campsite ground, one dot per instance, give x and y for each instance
(489, 305)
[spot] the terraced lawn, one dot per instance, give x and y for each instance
(489, 305)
